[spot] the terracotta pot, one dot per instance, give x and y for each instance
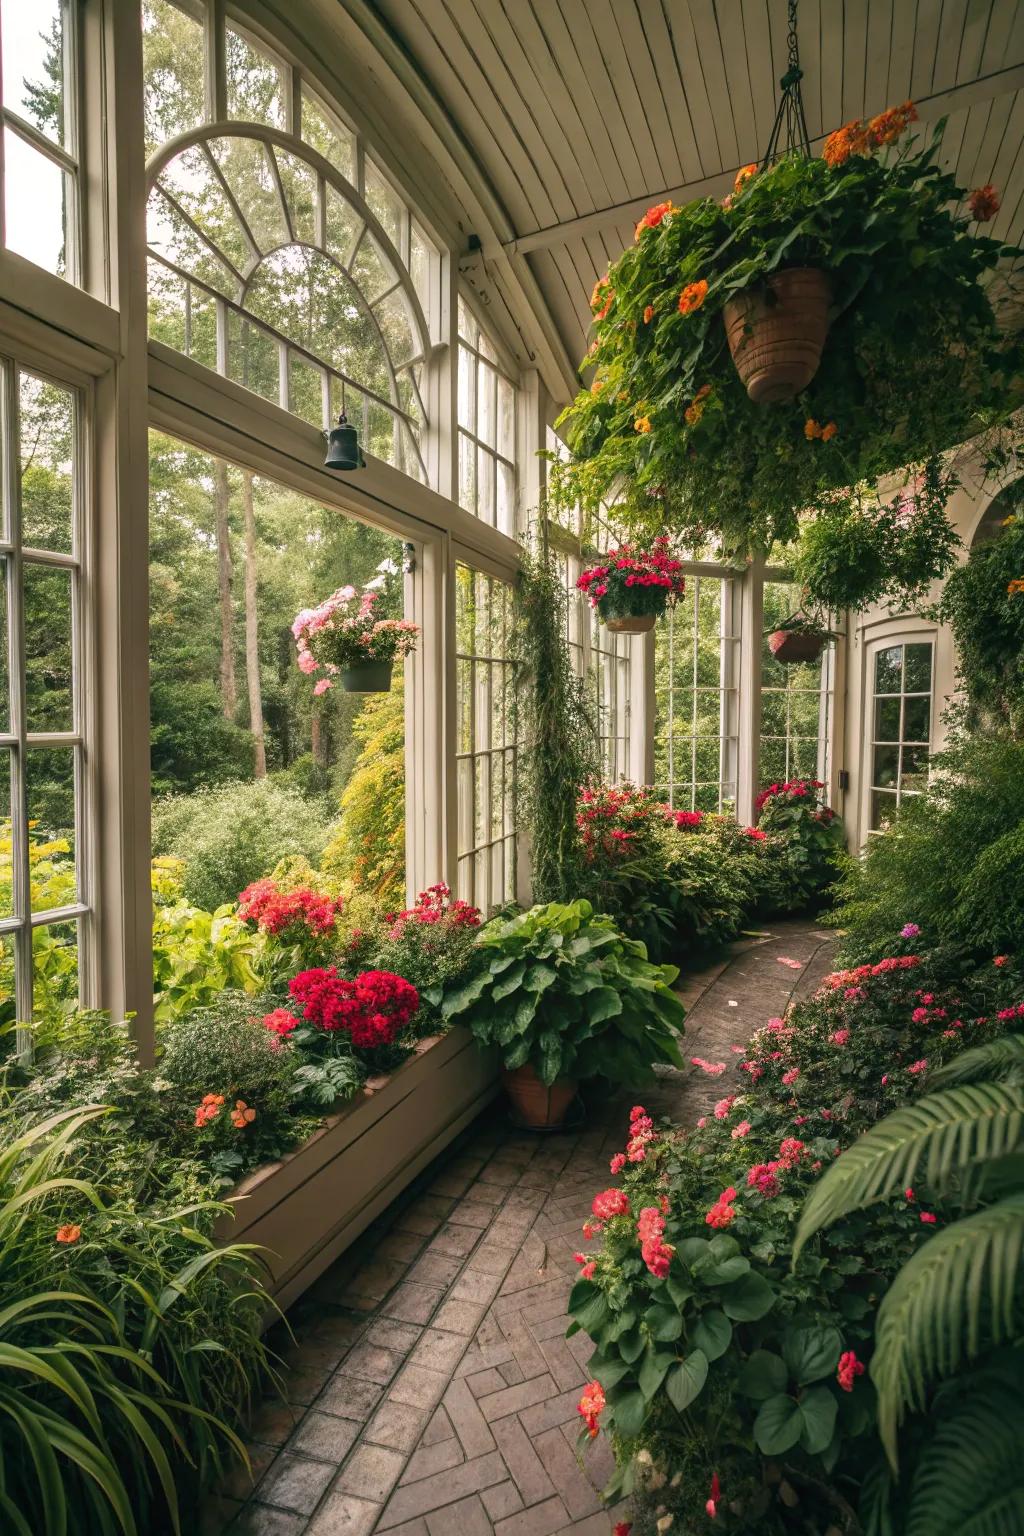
(534, 1103)
(369, 677)
(631, 623)
(791, 645)
(776, 338)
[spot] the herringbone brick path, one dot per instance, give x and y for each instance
(432, 1390)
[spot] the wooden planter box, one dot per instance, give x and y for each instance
(306, 1209)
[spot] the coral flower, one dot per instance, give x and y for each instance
(829, 432)
(69, 1233)
(692, 297)
(242, 1115)
(591, 1406)
(648, 313)
(984, 203)
(811, 429)
(743, 175)
(652, 218)
(1016, 586)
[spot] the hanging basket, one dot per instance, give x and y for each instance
(792, 645)
(534, 1104)
(776, 337)
(631, 623)
(368, 677)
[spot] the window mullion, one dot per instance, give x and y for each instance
(21, 877)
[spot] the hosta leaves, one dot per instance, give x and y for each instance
(608, 1371)
(712, 1333)
(685, 1381)
(652, 1370)
(665, 1323)
(933, 1137)
(812, 1352)
(629, 1409)
(782, 1422)
(747, 1299)
(763, 1375)
(958, 1293)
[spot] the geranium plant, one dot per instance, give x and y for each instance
(632, 582)
(342, 632)
(811, 832)
(914, 360)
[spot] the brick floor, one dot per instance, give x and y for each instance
(431, 1390)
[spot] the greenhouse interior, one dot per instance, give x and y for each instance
(511, 922)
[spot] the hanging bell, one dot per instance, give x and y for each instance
(343, 450)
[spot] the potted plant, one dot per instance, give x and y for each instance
(566, 996)
(914, 359)
(798, 638)
(631, 587)
(344, 641)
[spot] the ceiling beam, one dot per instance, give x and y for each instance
(930, 109)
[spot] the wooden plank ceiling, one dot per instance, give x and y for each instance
(580, 113)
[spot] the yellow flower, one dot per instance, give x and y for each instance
(1008, 520)
(642, 424)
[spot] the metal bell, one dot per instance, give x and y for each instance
(343, 450)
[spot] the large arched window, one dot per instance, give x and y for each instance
(266, 265)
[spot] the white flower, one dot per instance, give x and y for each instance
(388, 568)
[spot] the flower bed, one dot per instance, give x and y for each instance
(693, 1302)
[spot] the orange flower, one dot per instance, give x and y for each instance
(652, 218)
(602, 298)
(242, 1115)
(888, 125)
(692, 297)
(642, 424)
(829, 432)
(851, 139)
(70, 1233)
(811, 429)
(1016, 586)
(984, 203)
(693, 413)
(648, 314)
(743, 175)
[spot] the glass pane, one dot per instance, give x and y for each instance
(8, 1004)
(35, 205)
(918, 674)
(885, 766)
(485, 405)
(506, 419)
(173, 66)
(467, 474)
(916, 719)
(325, 133)
(305, 390)
(421, 258)
(467, 390)
(384, 203)
(49, 699)
(54, 970)
(191, 180)
(344, 226)
(300, 190)
(33, 63)
(50, 789)
(6, 838)
(372, 271)
(888, 670)
(883, 808)
(256, 91)
(915, 769)
(46, 426)
(485, 485)
(253, 357)
(506, 499)
(400, 339)
(887, 719)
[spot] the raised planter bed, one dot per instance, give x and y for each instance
(306, 1209)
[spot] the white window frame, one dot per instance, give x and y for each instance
(494, 365)
(727, 690)
(902, 638)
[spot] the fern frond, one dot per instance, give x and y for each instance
(971, 1459)
(1001, 1515)
(938, 1134)
(996, 1061)
(958, 1293)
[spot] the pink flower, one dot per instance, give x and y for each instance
(839, 1036)
(762, 1177)
(307, 662)
(723, 1107)
(885, 1079)
(611, 1202)
(587, 1272)
(618, 1162)
(1001, 960)
(322, 686)
(928, 1219)
(711, 1507)
(712, 1068)
(791, 1076)
(849, 1368)
(702, 1122)
(917, 1067)
(723, 1211)
(909, 931)
(909, 1194)
(741, 1130)
(280, 1022)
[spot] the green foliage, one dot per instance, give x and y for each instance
(191, 743)
(197, 954)
(555, 722)
(909, 366)
(562, 990)
(808, 836)
(880, 550)
(920, 869)
(117, 1344)
(367, 850)
(986, 613)
(229, 836)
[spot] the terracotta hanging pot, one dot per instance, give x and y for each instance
(631, 623)
(368, 677)
(792, 645)
(776, 336)
(534, 1103)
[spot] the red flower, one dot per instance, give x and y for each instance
(611, 1202)
(849, 1368)
(928, 1219)
(652, 218)
(280, 1021)
(591, 1406)
(984, 203)
(374, 1008)
(289, 915)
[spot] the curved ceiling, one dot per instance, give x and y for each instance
(580, 113)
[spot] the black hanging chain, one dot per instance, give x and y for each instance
(789, 134)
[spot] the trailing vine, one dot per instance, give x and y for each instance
(556, 724)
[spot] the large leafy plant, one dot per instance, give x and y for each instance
(983, 602)
(561, 989)
(914, 361)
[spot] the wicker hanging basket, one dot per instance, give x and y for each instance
(631, 623)
(792, 645)
(776, 337)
